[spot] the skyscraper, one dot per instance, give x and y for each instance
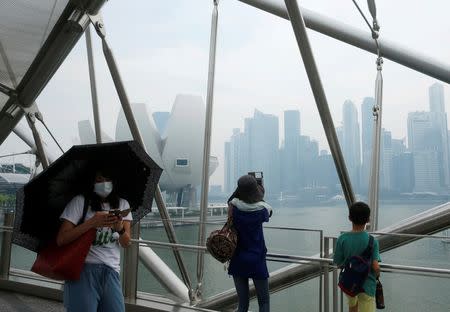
(386, 160)
(424, 141)
(289, 164)
(403, 172)
(263, 155)
(308, 152)
(228, 176)
(255, 149)
(351, 142)
(437, 108)
(436, 96)
(366, 139)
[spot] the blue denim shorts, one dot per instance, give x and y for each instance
(97, 290)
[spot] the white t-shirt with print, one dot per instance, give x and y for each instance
(105, 248)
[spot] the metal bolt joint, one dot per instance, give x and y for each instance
(379, 63)
(99, 26)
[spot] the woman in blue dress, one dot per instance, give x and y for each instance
(249, 211)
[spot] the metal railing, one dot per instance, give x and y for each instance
(326, 263)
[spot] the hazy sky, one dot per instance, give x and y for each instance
(162, 50)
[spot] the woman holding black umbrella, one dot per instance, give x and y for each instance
(98, 288)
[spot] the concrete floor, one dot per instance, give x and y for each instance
(14, 302)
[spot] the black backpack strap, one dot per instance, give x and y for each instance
(367, 253)
(85, 209)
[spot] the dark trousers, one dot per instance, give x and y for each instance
(262, 292)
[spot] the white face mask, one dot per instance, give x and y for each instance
(103, 189)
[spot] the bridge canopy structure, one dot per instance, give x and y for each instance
(35, 38)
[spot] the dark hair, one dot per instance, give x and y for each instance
(95, 201)
(359, 213)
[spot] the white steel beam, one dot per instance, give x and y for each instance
(360, 39)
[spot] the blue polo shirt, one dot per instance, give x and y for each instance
(249, 259)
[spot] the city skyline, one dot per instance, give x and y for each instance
(424, 161)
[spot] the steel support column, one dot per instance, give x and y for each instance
(207, 149)
(31, 119)
(132, 264)
(5, 253)
(301, 35)
(97, 125)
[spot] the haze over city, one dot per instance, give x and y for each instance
(162, 50)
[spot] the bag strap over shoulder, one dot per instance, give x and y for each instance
(85, 209)
(367, 253)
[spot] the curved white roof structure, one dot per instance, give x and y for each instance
(180, 151)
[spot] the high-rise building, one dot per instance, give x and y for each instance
(436, 96)
(367, 123)
(326, 173)
(398, 147)
(289, 164)
(437, 108)
(425, 143)
(403, 172)
(351, 142)
(263, 154)
(255, 149)
(386, 160)
(228, 176)
(308, 153)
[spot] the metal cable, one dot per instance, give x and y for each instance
(365, 19)
(374, 179)
(39, 117)
(374, 30)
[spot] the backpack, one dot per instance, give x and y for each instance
(356, 270)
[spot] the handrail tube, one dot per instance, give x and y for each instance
(323, 261)
(163, 273)
(298, 25)
(360, 39)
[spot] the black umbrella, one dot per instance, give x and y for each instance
(40, 202)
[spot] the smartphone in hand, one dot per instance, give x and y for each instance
(120, 213)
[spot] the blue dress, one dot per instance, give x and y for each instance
(249, 259)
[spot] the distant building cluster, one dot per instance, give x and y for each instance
(297, 168)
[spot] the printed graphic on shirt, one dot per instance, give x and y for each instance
(104, 238)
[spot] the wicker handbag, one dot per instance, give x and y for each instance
(221, 244)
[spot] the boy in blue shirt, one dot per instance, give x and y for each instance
(354, 243)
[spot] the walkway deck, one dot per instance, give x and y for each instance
(15, 302)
